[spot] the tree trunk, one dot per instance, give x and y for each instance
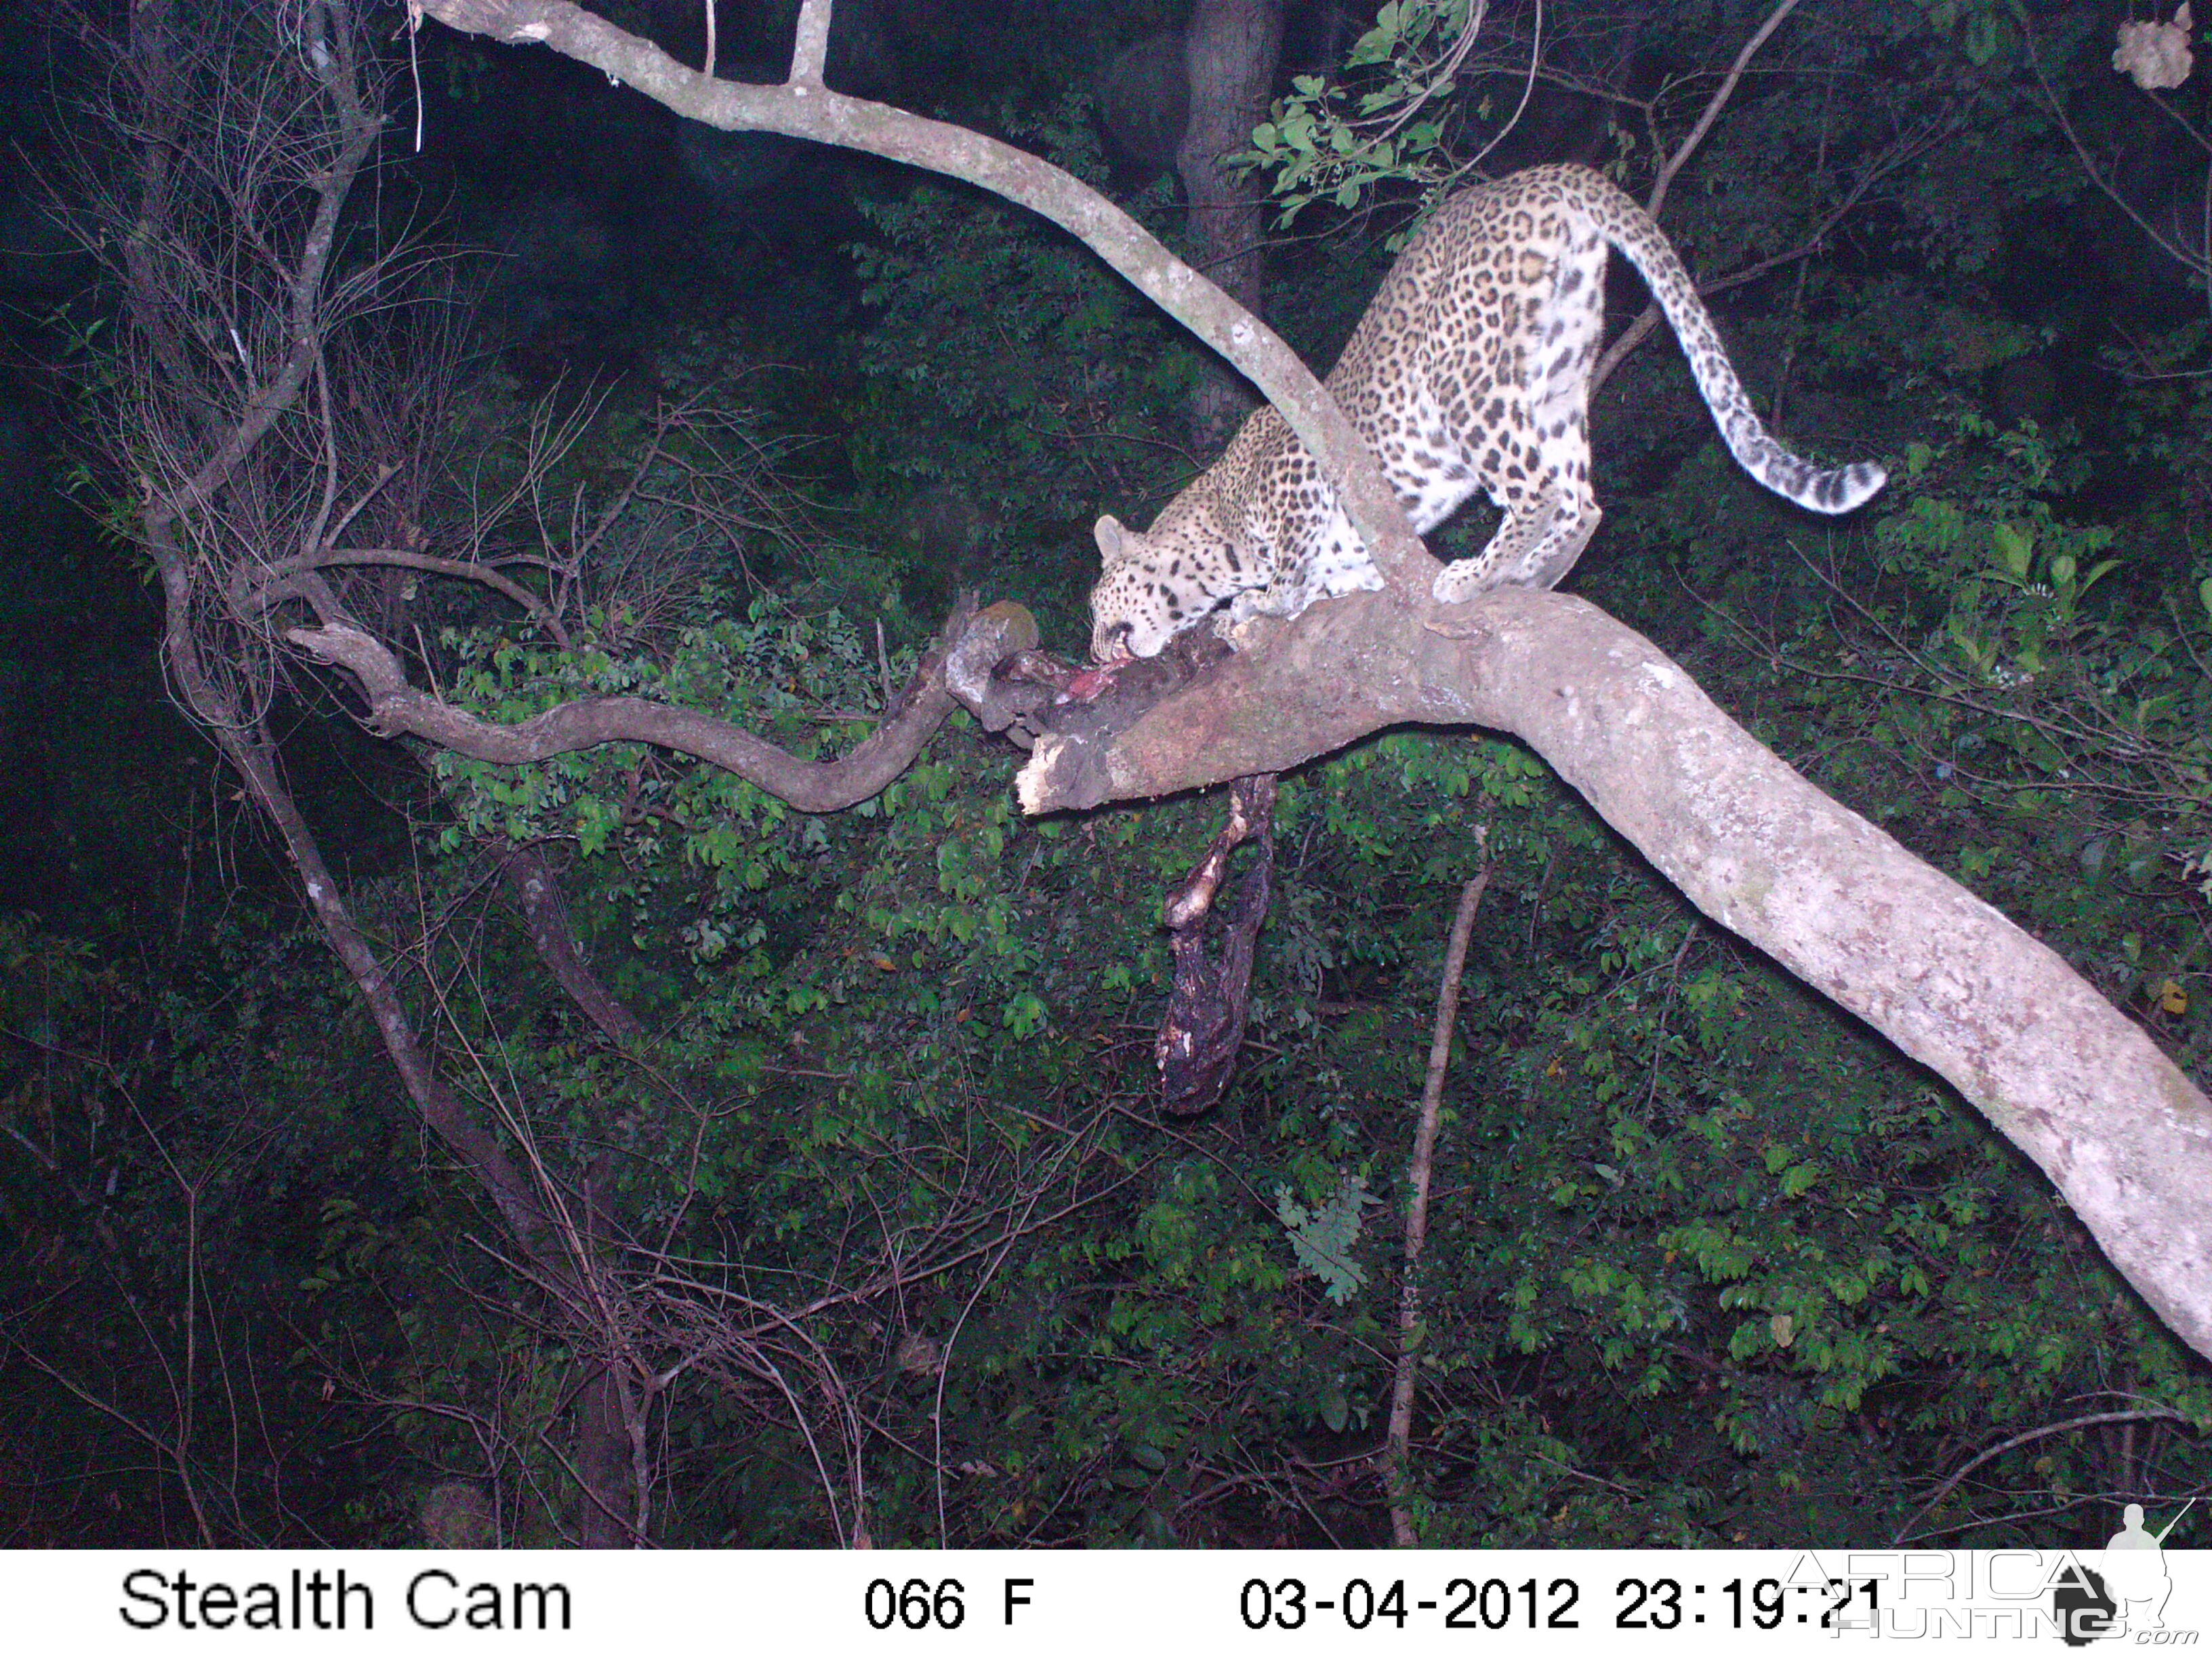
(1230, 49)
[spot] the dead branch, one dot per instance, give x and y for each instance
(270, 583)
(395, 707)
(1714, 105)
(2194, 256)
(1880, 167)
(219, 214)
(2146, 1414)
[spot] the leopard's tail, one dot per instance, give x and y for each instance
(1824, 489)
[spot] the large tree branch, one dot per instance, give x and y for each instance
(538, 896)
(804, 109)
(2062, 1073)
(395, 707)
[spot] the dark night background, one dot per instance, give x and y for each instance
(873, 1224)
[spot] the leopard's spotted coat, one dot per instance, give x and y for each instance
(1470, 371)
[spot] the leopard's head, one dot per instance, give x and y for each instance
(1137, 607)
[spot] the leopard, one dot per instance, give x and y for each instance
(1470, 370)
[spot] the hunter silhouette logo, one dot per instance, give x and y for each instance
(2128, 1597)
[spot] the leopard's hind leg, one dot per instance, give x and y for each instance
(1541, 535)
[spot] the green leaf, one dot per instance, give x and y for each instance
(1322, 1239)
(1336, 1408)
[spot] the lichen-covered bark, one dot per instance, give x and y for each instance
(2062, 1074)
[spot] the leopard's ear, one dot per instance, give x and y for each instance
(1108, 532)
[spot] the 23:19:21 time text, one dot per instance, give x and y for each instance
(1495, 1604)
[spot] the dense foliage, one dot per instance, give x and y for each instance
(905, 1243)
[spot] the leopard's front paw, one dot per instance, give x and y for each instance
(1460, 580)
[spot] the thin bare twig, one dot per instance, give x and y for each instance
(1888, 162)
(1411, 1335)
(1722, 94)
(2198, 259)
(2153, 1414)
